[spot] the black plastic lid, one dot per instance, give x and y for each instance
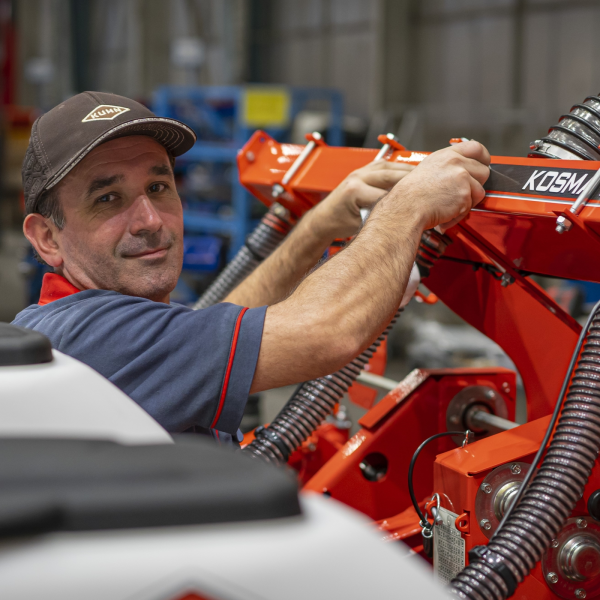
(80, 485)
(20, 346)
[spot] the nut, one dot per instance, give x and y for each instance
(485, 524)
(563, 224)
(515, 469)
(581, 523)
(554, 543)
(486, 487)
(580, 593)
(552, 577)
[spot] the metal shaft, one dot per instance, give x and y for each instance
(562, 223)
(378, 381)
(587, 191)
(278, 188)
(491, 423)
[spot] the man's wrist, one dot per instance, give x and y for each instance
(405, 207)
(318, 225)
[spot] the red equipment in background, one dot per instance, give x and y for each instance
(483, 277)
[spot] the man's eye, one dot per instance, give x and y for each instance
(105, 198)
(155, 188)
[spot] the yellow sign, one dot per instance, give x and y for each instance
(266, 106)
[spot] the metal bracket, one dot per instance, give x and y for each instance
(314, 139)
(564, 221)
(389, 140)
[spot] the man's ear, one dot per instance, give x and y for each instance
(42, 234)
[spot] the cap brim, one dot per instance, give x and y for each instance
(176, 137)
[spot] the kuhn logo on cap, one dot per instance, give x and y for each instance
(105, 112)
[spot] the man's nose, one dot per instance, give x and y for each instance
(146, 219)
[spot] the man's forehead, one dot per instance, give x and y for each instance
(122, 155)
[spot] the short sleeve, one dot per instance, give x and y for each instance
(185, 368)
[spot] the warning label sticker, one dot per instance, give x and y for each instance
(448, 548)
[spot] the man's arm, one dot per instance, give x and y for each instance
(338, 216)
(338, 310)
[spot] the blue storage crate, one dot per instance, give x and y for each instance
(202, 253)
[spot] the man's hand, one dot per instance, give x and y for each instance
(339, 309)
(338, 215)
(446, 185)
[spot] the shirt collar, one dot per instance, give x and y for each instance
(55, 287)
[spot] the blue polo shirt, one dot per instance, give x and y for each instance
(186, 368)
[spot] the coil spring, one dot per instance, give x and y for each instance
(268, 234)
(314, 400)
(576, 136)
(555, 489)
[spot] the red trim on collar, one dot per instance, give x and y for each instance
(55, 287)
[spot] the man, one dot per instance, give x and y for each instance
(103, 211)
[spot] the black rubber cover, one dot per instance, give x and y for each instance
(20, 346)
(74, 485)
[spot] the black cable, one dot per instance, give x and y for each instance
(411, 491)
(553, 420)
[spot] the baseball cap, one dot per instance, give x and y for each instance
(63, 136)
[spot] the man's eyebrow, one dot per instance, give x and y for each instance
(160, 170)
(102, 182)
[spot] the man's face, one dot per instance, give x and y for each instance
(124, 220)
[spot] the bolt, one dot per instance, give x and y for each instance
(581, 523)
(455, 419)
(250, 156)
(485, 524)
(580, 593)
(486, 487)
(506, 387)
(563, 224)
(515, 469)
(552, 577)
(490, 394)
(554, 543)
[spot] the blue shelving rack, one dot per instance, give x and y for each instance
(224, 117)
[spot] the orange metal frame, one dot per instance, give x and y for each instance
(511, 233)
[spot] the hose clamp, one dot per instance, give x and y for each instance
(495, 562)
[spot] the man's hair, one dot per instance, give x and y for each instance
(49, 206)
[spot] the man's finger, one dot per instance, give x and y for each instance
(474, 150)
(477, 193)
(368, 196)
(386, 178)
(383, 164)
(478, 171)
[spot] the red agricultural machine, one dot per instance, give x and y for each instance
(503, 509)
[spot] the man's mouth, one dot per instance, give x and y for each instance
(151, 253)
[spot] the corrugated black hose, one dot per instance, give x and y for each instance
(541, 509)
(269, 233)
(314, 400)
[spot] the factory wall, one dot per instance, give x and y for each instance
(499, 70)
(502, 71)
